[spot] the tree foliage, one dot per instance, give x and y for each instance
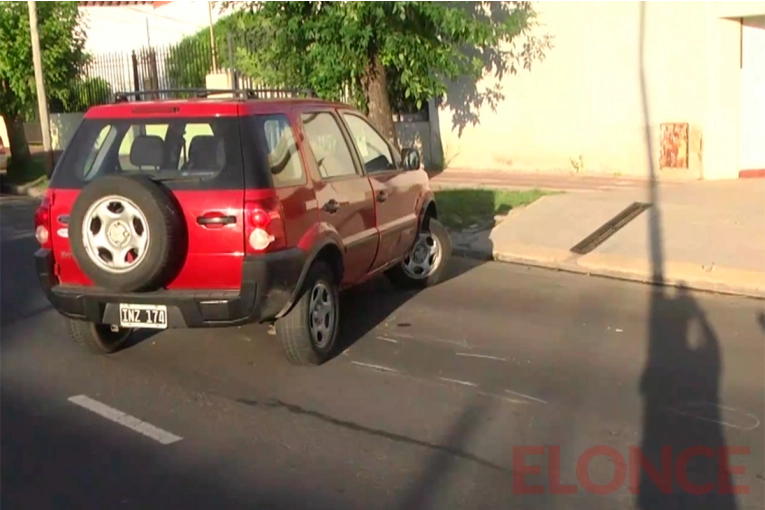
(412, 49)
(88, 92)
(62, 44)
(191, 60)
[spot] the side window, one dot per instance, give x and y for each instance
(282, 152)
(333, 157)
(375, 153)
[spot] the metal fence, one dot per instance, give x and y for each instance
(181, 66)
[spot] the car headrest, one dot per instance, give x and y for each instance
(207, 152)
(147, 150)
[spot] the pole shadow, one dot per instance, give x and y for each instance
(680, 384)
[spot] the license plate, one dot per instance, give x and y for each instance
(143, 316)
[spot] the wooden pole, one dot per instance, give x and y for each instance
(42, 100)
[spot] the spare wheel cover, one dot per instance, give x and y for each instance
(126, 233)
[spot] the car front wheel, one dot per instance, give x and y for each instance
(424, 265)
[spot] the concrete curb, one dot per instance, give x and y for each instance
(31, 189)
(445, 186)
(722, 280)
(727, 281)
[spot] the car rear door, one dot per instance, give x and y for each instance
(199, 163)
(212, 206)
(343, 193)
(396, 191)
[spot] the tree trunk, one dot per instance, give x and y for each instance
(375, 84)
(17, 142)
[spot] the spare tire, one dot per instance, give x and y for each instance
(127, 233)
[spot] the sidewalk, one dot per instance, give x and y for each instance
(712, 234)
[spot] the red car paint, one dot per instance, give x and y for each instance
(372, 235)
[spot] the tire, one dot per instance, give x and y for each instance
(97, 338)
(294, 330)
(165, 233)
(399, 275)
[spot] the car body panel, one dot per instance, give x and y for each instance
(354, 219)
(396, 191)
(397, 215)
(213, 256)
(215, 253)
(354, 222)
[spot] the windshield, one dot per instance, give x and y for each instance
(190, 153)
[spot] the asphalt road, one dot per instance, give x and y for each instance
(425, 409)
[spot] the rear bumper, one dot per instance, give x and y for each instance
(268, 282)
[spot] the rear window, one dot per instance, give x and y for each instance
(183, 153)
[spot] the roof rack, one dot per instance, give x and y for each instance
(122, 97)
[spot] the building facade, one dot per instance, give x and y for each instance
(677, 86)
(120, 27)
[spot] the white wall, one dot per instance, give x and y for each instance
(753, 95)
(585, 99)
(125, 28)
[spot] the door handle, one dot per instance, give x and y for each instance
(215, 220)
(382, 196)
(332, 206)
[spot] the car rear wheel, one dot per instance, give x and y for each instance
(424, 265)
(98, 338)
(308, 332)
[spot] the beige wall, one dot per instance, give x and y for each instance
(736, 8)
(4, 134)
(753, 95)
(62, 128)
(585, 99)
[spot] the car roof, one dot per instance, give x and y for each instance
(205, 107)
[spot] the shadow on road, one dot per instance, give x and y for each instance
(20, 294)
(680, 383)
(80, 462)
(367, 306)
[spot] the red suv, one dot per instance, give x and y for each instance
(186, 213)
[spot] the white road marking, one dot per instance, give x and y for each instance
(457, 381)
(526, 396)
(131, 422)
(425, 338)
(482, 356)
(374, 367)
(386, 339)
(720, 422)
(15, 237)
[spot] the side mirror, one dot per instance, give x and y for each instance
(410, 158)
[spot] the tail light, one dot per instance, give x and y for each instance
(264, 225)
(43, 223)
(2, 147)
